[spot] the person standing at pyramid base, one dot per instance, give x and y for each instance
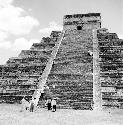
(53, 104)
(32, 104)
(42, 93)
(24, 104)
(48, 104)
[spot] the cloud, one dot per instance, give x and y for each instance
(13, 20)
(23, 44)
(52, 26)
(5, 45)
(4, 3)
(120, 36)
(19, 44)
(30, 9)
(3, 35)
(9, 49)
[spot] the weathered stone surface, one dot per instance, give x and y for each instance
(71, 76)
(73, 59)
(19, 77)
(111, 65)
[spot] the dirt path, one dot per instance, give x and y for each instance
(11, 115)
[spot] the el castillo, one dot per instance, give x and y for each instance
(81, 65)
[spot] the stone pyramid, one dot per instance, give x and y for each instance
(71, 76)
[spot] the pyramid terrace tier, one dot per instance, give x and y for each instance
(112, 98)
(22, 71)
(104, 44)
(7, 69)
(112, 84)
(108, 84)
(21, 62)
(111, 74)
(15, 89)
(77, 56)
(73, 68)
(110, 57)
(107, 37)
(35, 53)
(108, 62)
(14, 99)
(25, 63)
(42, 46)
(110, 50)
(111, 81)
(72, 88)
(18, 83)
(67, 79)
(70, 60)
(17, 92)
(113, 67)
(55, 34)
(12, 76)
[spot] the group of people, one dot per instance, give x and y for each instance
(25, 105)
(49, 103)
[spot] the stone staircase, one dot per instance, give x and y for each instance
(71, 77)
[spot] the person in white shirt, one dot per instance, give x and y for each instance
(53, 104)
(24, 104)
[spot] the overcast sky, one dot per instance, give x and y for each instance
(23, 22)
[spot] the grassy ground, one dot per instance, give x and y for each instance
(10, 115)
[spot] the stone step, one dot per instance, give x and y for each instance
(73, 102)
(73, 90)
(70, 82)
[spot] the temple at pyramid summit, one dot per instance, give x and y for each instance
(87, 69)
